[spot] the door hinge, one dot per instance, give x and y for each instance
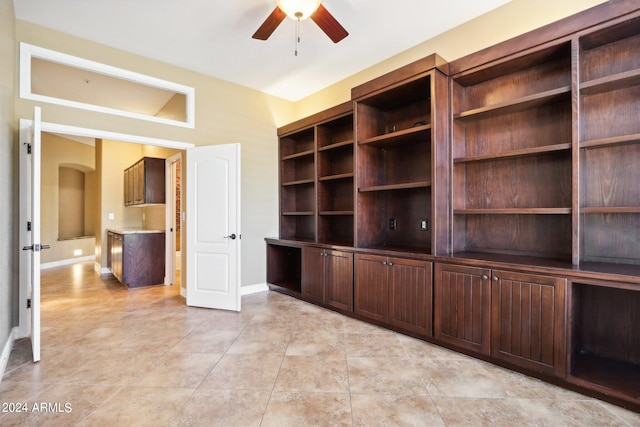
(29, 303)
(28, 225)
(28, 148)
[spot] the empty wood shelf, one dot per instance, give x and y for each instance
(301, 213)
(329, 213)
(298, 155)
(611, 141)
(612, 82)
(298, 182)
(515, 105)
(400, 137)
(336, 145)
(338, 176)
(610, 209)
(515, 153)
(389, 187)
(514, 211)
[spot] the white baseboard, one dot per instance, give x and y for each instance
(183, 292)
(6, 351)
(60, 263)
(253, 289)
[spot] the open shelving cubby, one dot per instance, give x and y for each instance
(297, 185)
(610, 145)
(395, 136)
(335, 181)
(605, 344)
(512, 158)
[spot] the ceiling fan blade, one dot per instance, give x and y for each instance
(329, 24)
(270, 24)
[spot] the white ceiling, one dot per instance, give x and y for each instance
(214, 37)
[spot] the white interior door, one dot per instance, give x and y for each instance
(213, 226)
(30, 232)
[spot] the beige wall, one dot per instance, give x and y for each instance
(503, 23)
(58, 151)
(225, 113)
(8, 176)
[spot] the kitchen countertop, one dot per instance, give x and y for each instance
(133, 231)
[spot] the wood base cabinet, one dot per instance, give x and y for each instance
(137, 259)
(528, 321)
(516, 317)
(462, 306)
(327, 277)
(395, 291)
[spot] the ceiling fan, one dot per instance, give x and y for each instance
(299, 10)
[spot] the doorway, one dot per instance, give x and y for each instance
(59, 129)
(174, 218)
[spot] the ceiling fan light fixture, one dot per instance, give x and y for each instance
(298, 9)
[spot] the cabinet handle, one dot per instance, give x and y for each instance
(495, 278)
(485, 277)
(384, 262)
(390, 263)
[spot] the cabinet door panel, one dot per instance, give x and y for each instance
(313, 265)
(138, 183)
(528, 321)
(339, 280)
(410, 295)
(128, 187)
(462, 306)
(371, 289)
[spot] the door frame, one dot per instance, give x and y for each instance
(170, 244)
(22, 330)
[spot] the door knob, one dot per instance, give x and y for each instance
(232, 236)
(36, 248)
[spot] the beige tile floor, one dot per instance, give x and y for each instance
(121, 357)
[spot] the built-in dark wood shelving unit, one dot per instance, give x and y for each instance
(490, 205)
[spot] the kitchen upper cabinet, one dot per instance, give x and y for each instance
(327, 277)
(144, 182)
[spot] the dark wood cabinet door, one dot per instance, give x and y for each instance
(313, 267)
(410, 295)
(128, 187)
(339, 280)
(138, 183)
(528, 321)
(371, 287)
(462, 306)
(116, 256)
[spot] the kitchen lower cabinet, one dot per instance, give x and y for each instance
(395, 291)
(327, 277)
(137, 258)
